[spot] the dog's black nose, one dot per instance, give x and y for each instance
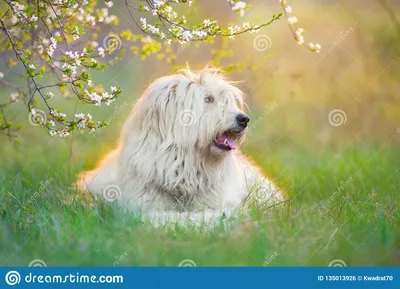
(242, 119)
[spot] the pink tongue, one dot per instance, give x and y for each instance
(231, 143)
(227, 141)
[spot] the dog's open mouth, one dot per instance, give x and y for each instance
(226, 141)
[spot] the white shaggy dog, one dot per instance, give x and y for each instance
(178, 152)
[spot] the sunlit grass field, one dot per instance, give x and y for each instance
(343, 205)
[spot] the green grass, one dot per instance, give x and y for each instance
(358, 224)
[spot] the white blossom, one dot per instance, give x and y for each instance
(315, 47)
(299, 36)
(76, 33)
(143, 21)
(292, 20)
(207, 22)
(101, 51)
(80, 116)
(14, 96)
(239, 6)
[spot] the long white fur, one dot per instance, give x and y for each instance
(166, 168)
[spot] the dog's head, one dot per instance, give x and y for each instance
(199, 111)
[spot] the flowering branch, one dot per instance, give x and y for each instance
(169, 25)
(45, 37)
(299, 33)
(53, 27)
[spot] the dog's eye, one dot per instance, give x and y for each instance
(209, 99)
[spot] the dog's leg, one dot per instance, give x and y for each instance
(260, 191)
(207, 219)
(97, 180)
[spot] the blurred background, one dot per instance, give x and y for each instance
(290, 90)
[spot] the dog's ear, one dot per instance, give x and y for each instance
(162, 112)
